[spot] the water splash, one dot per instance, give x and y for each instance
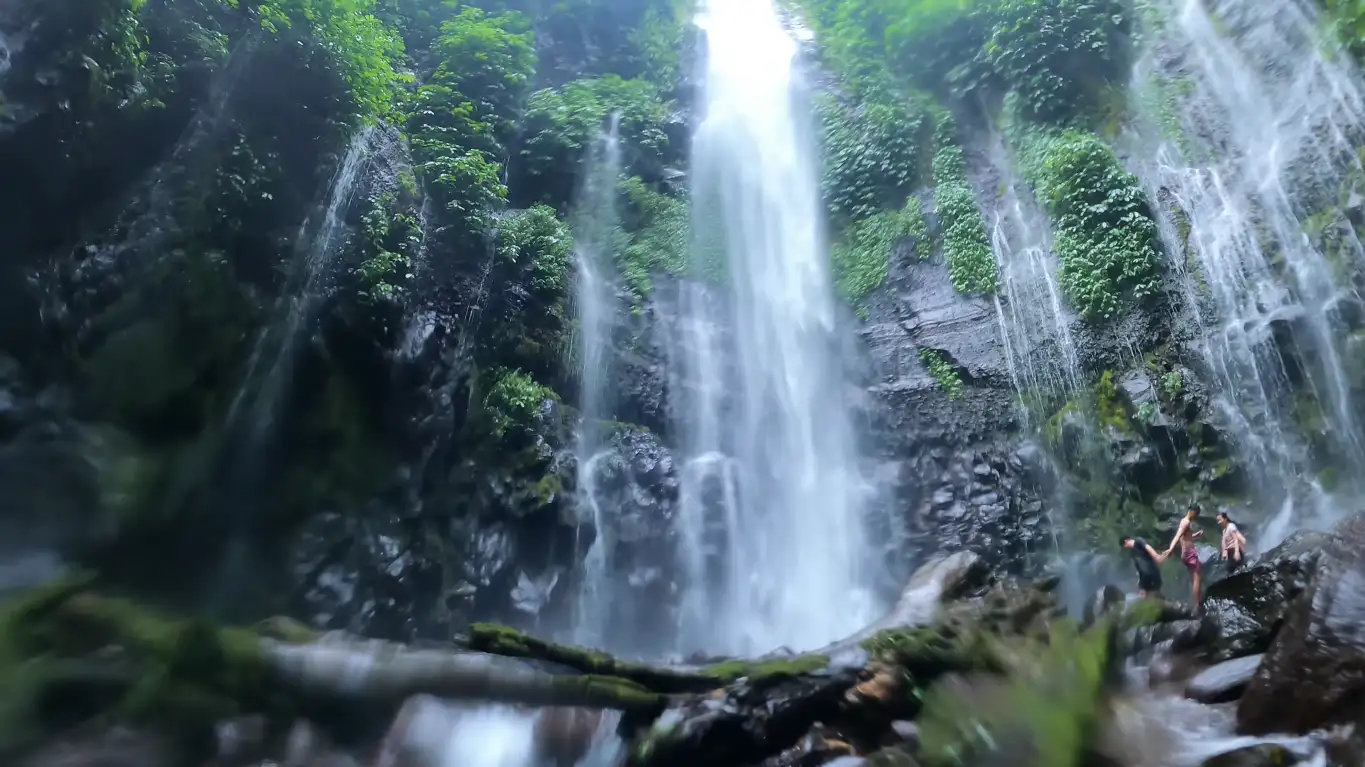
(1260, 125)
(794, 534)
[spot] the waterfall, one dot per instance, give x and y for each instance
(272, 358)
(1035, 326)
(595, 221)
(1259, 126)
(790, 570)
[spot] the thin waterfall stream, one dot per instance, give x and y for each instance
(596, 221)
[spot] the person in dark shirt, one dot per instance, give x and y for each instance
(1147, 561)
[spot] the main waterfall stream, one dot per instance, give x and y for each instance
(775, 437)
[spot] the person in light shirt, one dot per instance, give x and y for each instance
(1233, 544)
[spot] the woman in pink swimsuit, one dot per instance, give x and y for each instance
(1189, 557)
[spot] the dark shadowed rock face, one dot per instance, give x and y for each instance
(1247, 607)
(1314, 672)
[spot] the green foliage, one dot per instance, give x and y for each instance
(538, 242)
(511, 404)
(658, 241)
(1146, 413)
(1057, 54)
(971, 262)
(562, 123)
(873, 153)
(360, 46)
(861, 258)
(457, 121)
(943, 371)
(526, 318)
(390, 238)
(1172, 384)
(1108, 405)
(1105, 235)
(1346, 23)
(488, 60)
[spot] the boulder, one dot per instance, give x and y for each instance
(1104, 600)
(1223, 682)
(1245, 609)
(1313, 673)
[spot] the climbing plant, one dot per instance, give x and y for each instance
(861, 257)
(971, 263)
(1104, 232)
(943, 372)
(872, 153)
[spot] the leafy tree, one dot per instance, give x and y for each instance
(561, 124)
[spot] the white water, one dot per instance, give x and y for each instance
(1035, 325)
(1259, 117)
(788, 565)
(595, 222)
(272, 358)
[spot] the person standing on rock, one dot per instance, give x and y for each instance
(1147, 563)
(1189, 556)
(1233, 543)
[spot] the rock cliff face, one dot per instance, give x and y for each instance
(407, 462)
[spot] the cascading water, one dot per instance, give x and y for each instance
(273, 356)
(269, 368)
(1035, 326)
(595, 222)
(792, 532)
(1260, 125)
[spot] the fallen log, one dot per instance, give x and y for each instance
(188, 674)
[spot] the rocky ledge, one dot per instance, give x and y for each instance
(969, 669)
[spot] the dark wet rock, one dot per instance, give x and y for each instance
(722, 728)
(99, 747)
(1313, 674)
(1245, 609)
(1223, 682)
(817, 748)
(357, 573)
(1105, 600)
(631, 488)
(1265, 755)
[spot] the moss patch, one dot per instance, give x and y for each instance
(125, 661)
(501, 640)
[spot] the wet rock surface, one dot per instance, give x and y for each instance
(1313, 673)
(1248, 607)
(1223, 682)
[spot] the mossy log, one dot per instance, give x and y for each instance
(363, 674)
(187, 674)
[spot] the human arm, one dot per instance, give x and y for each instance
(1159, 557)
(1179, 531)
(1239, 544)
